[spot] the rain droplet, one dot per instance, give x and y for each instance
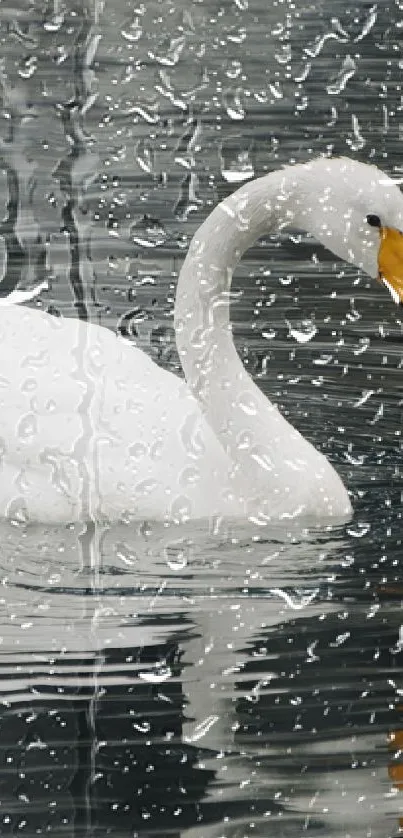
(237, 36)
(17, 512)
(187, 201)
(148, 232)
(177, 555)
(145, 487)
(169, 52)
(158, 676)
(189, 476)
(27, 427)
(236, 165)
(363, 345)
(233, 104)
(145, 157)
(261, 456)
(191, 436)
(142, 727)
(234, 69)
(247, 404)
(357, 141)
(53, 23)
(202, 728)
(302, 332)
(157, 449)
(187, 144)
(181, 509)
(348, 69)
(359, 529)
(125, 554)
(28, 67)
(138, 450)
(132, 31)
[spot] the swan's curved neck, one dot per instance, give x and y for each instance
(255, 435)
(202, 306)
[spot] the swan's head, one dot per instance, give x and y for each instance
(390, 257)
(357, 212)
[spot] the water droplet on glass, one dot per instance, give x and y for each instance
(157, 449)
(148, 232)
(169, 51)
(237, 35)
(138, 450)
(54, 22)
(202, 728)
(142, 727)
(261, 456)
(232, 100)
(145, 157)
(358, 529)
(189, 476)
(27, 67)
(191, 436)
(356, 142)
(181, 509)
(247, 404)
(132, 31)
(177, 555)
(284, 56)
(187, 144)
(363, 345)
(368, 23)
(236, 165)
(17, 512)
(145, 487)
(302, 331)
(157, 676)
(27, 427)
(269, 334)
(233, 69)
(348, 69)
(125, 554)
(187, 201)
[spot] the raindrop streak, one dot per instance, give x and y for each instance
(202, 728)
(368, 24)
(347, 71)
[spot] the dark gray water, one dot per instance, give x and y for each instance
(191, 684)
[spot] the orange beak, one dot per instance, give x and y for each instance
(390, 262)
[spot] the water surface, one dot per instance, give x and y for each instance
(194, 681)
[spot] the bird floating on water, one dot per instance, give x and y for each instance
(92, 429)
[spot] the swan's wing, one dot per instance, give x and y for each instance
(79, 406)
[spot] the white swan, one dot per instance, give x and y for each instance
(90, 428)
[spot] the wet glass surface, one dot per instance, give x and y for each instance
(218, 684)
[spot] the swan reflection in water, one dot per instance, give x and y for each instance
(236, 685)
(92, 430)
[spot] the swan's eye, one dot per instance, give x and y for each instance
(373, 220)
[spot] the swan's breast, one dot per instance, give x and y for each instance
(89, 425)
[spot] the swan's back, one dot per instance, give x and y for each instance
(90, 426)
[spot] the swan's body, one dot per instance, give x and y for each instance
(91, 428)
